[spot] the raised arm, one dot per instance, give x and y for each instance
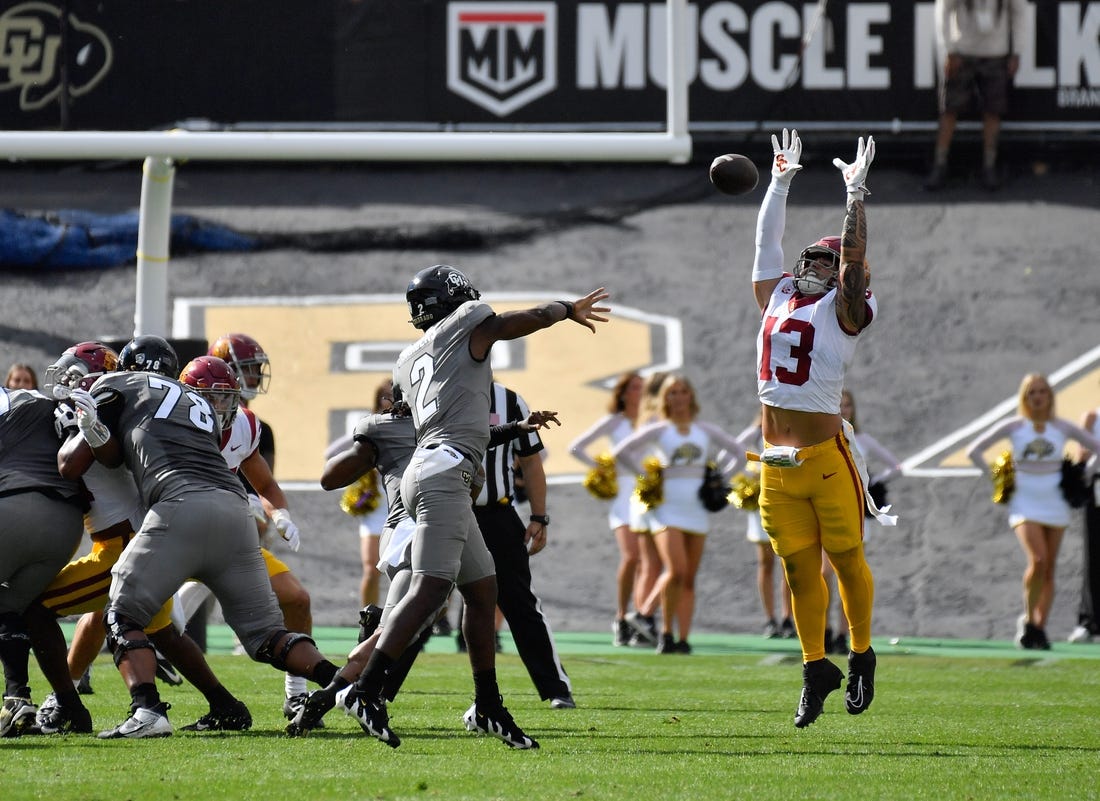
(516, 324)
(851, 297)
(767, 267)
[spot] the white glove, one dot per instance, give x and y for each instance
(87, 418)
(256, 508)
(286, 528)
(64, 420)
(786, 156)
(855, 174)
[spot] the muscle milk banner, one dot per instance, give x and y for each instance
(394, 64)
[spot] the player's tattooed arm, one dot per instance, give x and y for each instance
(851, 306)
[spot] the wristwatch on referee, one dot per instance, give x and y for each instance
(542, 519)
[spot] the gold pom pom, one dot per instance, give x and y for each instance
(745, 494)
(1004, 477)
(363, 496)
(649, 488)
(601, 481)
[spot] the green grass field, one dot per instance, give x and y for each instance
(951, 720)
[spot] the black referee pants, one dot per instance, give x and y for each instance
(503, 531)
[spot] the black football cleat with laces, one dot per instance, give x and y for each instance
(232, 717)
(309, 715)
(499, 723)
(372, 717)
(819, 678)
(861, 681)
(58, 719)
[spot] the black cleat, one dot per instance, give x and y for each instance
(819, 678)
(16, 716)
(621, 633)
(499, 723)
(309, 715)
(372, 717)
(232, 717)
(57, 719)
(861, 681)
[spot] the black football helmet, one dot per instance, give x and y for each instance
(149, 354)
(435, 292)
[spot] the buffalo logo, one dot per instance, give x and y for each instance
(501, 56)
(686, 454)
(30, 52)
(1038, 449)
(456, 282)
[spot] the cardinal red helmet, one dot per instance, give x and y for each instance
(248, 361)
(818, 266)
(79, 366)
(214, 380)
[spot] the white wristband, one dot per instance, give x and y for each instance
(97, 436)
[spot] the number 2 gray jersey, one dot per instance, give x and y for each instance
(445, 387)
(168, 432)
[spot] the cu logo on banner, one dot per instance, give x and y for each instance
(501, 56)
(31, 53)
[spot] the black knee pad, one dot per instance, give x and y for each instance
(278, 660)
(118, 626)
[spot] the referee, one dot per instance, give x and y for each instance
(508, 540)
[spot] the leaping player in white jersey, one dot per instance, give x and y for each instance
(812, 495)
(445, 378)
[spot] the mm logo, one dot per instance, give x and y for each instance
(501, 56)
(30, 53)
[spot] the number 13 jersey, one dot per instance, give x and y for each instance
(802, 352)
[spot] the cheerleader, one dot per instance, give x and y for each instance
(683, 446)
(1037, 510)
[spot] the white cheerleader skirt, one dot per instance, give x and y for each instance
(619, 512)
(1038, 499)
(682, 508)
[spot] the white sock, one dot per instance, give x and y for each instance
(295, 685)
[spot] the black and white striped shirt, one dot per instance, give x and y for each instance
(505, 406)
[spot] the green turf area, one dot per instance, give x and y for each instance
(950, 720)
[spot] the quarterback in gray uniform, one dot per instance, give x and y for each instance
(43, 523)
(445, 378)
(386, 441)
(197, 525)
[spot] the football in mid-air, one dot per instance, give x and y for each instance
(734, 174)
